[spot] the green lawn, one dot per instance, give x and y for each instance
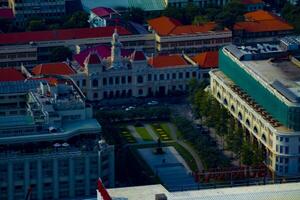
(144, 134)
(162, 131)
(128, 137)
(190, 161)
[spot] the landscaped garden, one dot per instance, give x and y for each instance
(141, 130)
(126, 134)
(162, 131)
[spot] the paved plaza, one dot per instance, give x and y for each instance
(170, 167)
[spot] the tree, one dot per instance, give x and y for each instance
(291, 13)
(36, 25)
(135, 14)
(247, 154)
(60, 54)
(231, 13)
(77, 20)
(200, 19)
(190, 11)
(174, 12)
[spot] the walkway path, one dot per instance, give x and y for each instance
(186, 146)
(132, 130)
(150, 131)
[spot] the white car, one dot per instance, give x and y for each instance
(152, 103)
(130, 108)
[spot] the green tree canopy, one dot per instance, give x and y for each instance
(77, 20)
(135, 14)
(60, 54)
(291, 13)
(36, 25)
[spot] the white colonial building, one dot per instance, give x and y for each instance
(134, 74)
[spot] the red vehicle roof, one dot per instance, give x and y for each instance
(62, 34)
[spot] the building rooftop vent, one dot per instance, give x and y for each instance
(161, 197)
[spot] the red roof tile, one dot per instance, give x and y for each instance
(103, 11)
(247, 2)
(62, 34)
(207, 60)
(53, 69)
(167, 26)
(102, 50)
(50, 80)
(163, 25)
(165, 61)
(6, 13)
(10, 74)
(138, 56)
(262, 21)
(92, 58)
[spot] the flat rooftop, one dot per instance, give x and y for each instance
(289, 191)
(272, 66)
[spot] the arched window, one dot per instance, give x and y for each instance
(219, 95)
(240, 116)
(255, 129)
(225, 102)
(95, 95)
(247, 122)
(264, 138)
(105, 95)
(232, 108)
(140, 79)
(104, 81)
(95, 83)
(129, 93)
(117, 93)
(111, 94)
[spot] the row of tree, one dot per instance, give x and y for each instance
(226, 15)
(78, 19)
(214, 115)
(292, 14)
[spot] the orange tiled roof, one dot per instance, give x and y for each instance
(53, 69)
(163, 25)
(259, 15)
(164, 61)
(207, 60)
(262, 21)
(251, 1)
(190, 29)
(167, 26)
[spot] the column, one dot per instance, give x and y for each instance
(39, 180)
(111, 174)
(55, 179)
(26, 176)
(71, 178)
(87, 175)
(10, 183)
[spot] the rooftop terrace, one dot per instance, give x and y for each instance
(272, 65)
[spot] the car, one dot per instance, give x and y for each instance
(152, 103)
(129, 108)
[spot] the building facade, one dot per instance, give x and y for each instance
(112, 75)
(258, 86)
(43, 42)
(261, 26)
(173, 37)
(27, 9)
(200, 3)
(51, 147)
